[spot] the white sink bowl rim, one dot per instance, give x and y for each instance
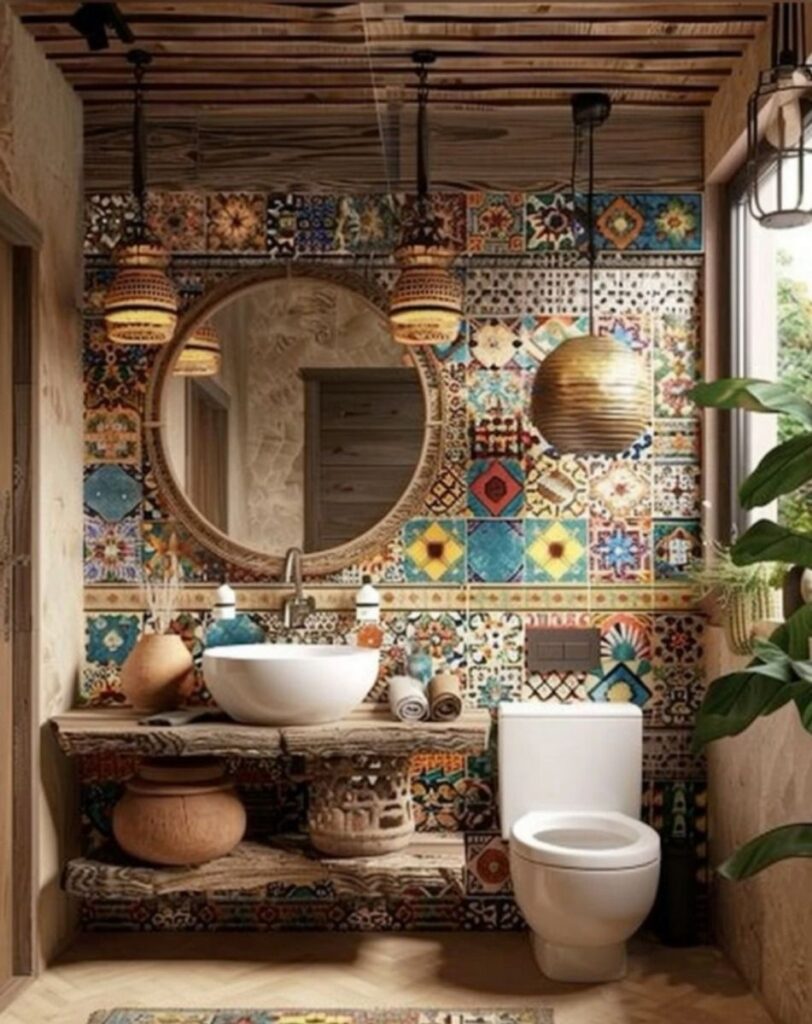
(289, 684)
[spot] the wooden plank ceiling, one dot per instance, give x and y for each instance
(292, 93)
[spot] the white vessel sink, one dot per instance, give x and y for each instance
(289, 684)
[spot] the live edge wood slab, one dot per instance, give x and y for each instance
(368, 730)
(435, 861)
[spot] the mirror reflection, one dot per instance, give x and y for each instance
(312, 427)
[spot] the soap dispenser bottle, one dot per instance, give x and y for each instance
(368, 614)
(228, 626)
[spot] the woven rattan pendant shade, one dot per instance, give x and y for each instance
(426, 303)
(200, 356)
(141, 304)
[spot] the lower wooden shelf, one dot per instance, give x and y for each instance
(434, 862)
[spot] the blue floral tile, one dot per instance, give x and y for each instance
(111, 637)
(112, 551)
(111, 492)
(497, 394)
(441, 635)
(677, 547)
(495, 487)
(649, 222)
(495, 639)
(621, 551)
(621, 684)
(488, 687)
(496, 551)
(317, 225)
(434, 550)
(556, 550)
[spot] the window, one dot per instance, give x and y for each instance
(772, 332)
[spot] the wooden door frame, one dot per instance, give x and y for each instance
(25, 240)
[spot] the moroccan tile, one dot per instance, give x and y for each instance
(96, 283)
(117, 374)
(317, 225)
(619, 222)
(111, 492)
(679, 638)
(178, 219)
(112, 551)
(499, 394)
(621, 551)
(109, 638)
(678, 693)
(160, 539)
(641, 448)
(99, 685)
(496, 343)
(495, 913)
(556, 486)
(495, 487)
(236, 222)
(497, 437)
(282, 224)
(649, 222)
(620, 684)
(561, 687)
(441, 635)
(675, 365)
(488, 687)
(113, 434)
(366, 224)
(677, 491)
(667, 754)
(676, 440)
(495, 639)
(495, 550)
(434, 550)
(677, 547)
(447, 493)
(495, 222)
(634, 329)
(619, 488)
(541, 334)
(107, 217)
(487, 864)
(445, 762)
(626, 637)
(550, 224)
(387, 566)
(556, 550)
(447, 208)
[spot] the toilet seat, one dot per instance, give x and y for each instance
(588, 840)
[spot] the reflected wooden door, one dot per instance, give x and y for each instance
(6, 720)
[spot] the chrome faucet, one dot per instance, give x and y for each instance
(296, 607)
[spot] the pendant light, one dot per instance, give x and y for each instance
(141, 304)
(426, 303)
(779, 148)
(200, 356)
(591, 394)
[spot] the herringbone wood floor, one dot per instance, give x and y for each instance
(317, 970)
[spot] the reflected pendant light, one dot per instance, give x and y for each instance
(779, 142)
(591, 394)
(141, 304)
(200, 356)
(426, 304)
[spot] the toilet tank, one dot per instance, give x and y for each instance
(575, 757)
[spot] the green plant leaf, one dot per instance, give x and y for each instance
(766, 651)
(734, 701)
(768, 542)
(782, 470)
(782, 843)
(753, 394)
(793, 635)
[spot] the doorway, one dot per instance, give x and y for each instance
(19, 241)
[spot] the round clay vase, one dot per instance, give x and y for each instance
(180, 811)
(157, 672)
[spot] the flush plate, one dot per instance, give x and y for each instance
(551, 649)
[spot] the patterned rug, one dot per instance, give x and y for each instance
(534, 1016)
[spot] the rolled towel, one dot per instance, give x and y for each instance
(445, 699)
(407, 699)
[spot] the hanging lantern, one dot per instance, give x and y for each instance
(591, 395)
(779, 145)
(200, 356)
(426, 303)
(141, 304)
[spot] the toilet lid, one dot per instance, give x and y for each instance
(588, 840)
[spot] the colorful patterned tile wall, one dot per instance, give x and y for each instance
(512, 534)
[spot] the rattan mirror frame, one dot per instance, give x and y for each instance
(367, 545)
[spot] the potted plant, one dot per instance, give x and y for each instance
(156, 673)
(736, 597)
(780, 673)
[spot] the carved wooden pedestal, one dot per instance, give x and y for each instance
(361, 805)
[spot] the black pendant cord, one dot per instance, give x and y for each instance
(789, 35)
(590, 217)
(140, 59)
(423, 58)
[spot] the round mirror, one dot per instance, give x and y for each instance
(312, 428)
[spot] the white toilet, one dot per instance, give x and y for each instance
(584, 867)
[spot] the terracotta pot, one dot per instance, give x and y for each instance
(157, 672)
(179, 812)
